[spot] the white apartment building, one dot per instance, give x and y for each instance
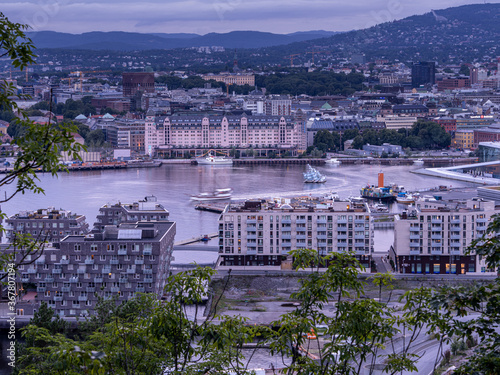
(432, 237)
(260, 234)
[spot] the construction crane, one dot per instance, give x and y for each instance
(80, 73)
(313, 52)
(291, 58)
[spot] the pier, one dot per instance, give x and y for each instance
(218, 209)
(196, 239)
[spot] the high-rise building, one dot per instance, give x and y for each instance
(134, 82)
(423, 73)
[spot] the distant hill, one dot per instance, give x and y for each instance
(127, 41)
(460, 33)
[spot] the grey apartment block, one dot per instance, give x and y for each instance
(118, 261)
(46, 225)
(147, 209)
(263, 233)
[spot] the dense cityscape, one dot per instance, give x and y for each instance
(297, 286)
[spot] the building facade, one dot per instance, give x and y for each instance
(117, 262)
(433, 236)
(147, 209)
(211, 131)
(423, 73)
(232, 78)
(134, 82)
(46, 225)
(257, 234)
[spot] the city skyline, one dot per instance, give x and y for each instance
(206, 16)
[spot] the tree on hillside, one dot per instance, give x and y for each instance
(40, 145)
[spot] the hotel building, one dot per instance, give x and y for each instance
(256, 234)
(211, 131)
(433, 236)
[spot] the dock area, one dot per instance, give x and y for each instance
(202, 237)
(215, 208)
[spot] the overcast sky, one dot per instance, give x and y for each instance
(205, 16)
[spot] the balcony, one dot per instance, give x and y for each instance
(64, 261)
(251, 236)
(65, 289)
(148, 279)
(359, 221)
(49, 279)
(114, 261)
(106, 270)
(287, 221)
(147, 252)
(300, 237)
(98, 279)
(31, 270)
(414, 244)
(122, 251)
(122, 280)
(341, 236)
(455, 221)
(140, 289)
(90, 289)
(147, 271)
(115, 289)
(455, 251)
(74, 279)
(286, 236)
(40, 261)
(414, 251)
(455, 237)
(482, 220)
(436, 244)
(130, 270)
(139, 262)
(81, 271)
(301, 244)
(286, 244)
(436, 237)
(436, 221)
(252, 251)
(414, 237)
(56, 271)
(82, 298)
(436, 251)
(251, 221)
(300, 221)
(41, 289)
(25, 279)
(89, 261)
(359, 236)
(414, 229)
(58, 298)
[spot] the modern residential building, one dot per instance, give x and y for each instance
(147, 209)
(432, 237)
(279, 106)
(134, 82)
(423, 73)
(123, 133)
(117, 262)
(212, 131)
(453, 83)
(46, 225)
(256, 233)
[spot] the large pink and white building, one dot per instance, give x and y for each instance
(221, 131)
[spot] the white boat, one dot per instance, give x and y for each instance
(332, 161)
(405, 199)
(210, 159)
(217, 194)
(379, 207)
(418, 161)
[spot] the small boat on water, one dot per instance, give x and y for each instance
(217, 194)
(313, 176)
(418, 161)
(333, 161)
(405, 198)
(211, 159)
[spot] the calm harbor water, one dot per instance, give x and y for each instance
(172, 184)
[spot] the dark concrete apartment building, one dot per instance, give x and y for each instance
(49, 225)
(147, 209)
(118, 261)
